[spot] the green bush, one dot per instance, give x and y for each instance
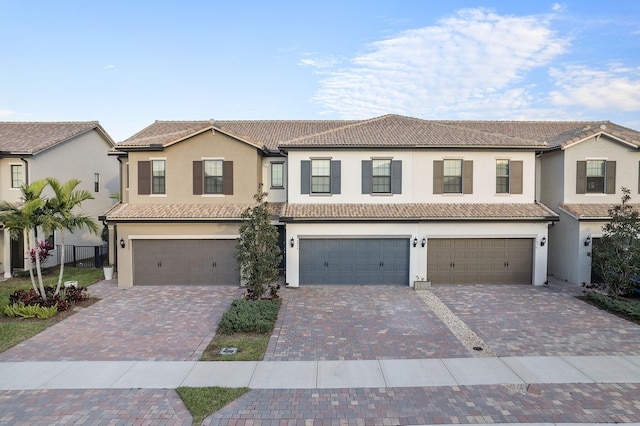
(249, 316)
(16, 310)
(625, 308)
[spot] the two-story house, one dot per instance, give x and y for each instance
(30, 151)
(380, 201)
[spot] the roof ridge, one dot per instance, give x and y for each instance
(476, 131)
(348, 126)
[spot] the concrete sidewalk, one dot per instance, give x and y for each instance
(392, 373)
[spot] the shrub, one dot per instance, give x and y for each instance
(626, 309)
(16, 310)
(249, 316)
(61, 301)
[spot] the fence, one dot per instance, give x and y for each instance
(84, 256)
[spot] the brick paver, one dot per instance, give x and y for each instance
(581, 403)
(169, 323)
(521, 320)
(93, 407)
(359, 323)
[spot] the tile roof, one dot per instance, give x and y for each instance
(416, 211)
(387, 131)
(591, 211)
(34, 137)
(183, 211)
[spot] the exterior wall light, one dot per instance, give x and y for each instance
(543, 241)
(291, 242)
(587, 241)
(415, 241)
(122, 242)
(424, 241)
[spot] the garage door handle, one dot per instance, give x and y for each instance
(326, 263)
(214, 264)
(159, 264)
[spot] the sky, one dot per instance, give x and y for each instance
(129, 63)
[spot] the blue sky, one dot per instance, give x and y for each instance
(128, 63)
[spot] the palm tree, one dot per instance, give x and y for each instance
(62, 216)
(23, 220)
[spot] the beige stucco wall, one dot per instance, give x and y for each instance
(247, 170)
(132, 231)
(551, 178)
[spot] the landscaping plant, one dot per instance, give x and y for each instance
(617, 258)
(257, 250)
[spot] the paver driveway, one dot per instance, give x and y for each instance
(169, 323)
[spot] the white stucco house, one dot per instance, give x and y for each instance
(30, 151)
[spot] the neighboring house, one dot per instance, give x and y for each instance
(381, 201)
(581, 176)
(63, 150)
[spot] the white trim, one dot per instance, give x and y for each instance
(182, 237)
(597, 136)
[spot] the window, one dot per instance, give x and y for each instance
(277, 175)
(16, 176)
(381, 176)
(96, 182)
(213, 181)
(320, 176)
(595, 176)
(452, 177)
(502, 176)
(158, 176)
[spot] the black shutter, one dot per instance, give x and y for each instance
(335, 177)
(581, 177)
(396, 177)
(197, 177)
(227, 177)
(305, 177)
(438, 176)
(367, 172)
(611, 177)
(515, 177)
(467, 177)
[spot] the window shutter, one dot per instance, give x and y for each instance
(197, 178)
(227, 177)
(144, 177)
(581, 177)
(611, 177)
(467, 177)
(396, 177)
(335, 177)
(367, 172)
(515, 177)
(305, 177)
(438, 172)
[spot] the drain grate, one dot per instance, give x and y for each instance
(228, 351)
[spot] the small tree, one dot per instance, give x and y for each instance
(257, 250)
(617, 257)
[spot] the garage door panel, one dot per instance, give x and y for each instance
(354, 261)
(481, 261)
(175, 262)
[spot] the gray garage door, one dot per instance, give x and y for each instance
(354, 261)
(169, 262)
(480, 261)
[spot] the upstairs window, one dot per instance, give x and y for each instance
(595, 176)
(277, 175)
(158, 177)
(16, 176)
(320, 176)
(381, 176)
(452, 177)
(502, 176)
(213, 179)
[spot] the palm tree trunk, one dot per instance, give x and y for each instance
(38, 269)
(61, 261)
(27, 241)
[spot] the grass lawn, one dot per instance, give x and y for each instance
(15, 330)
(251, 347)
(202, 402)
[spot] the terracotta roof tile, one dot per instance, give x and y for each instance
(461, 211)
(591, 211)
(33, 137)
(183, 211)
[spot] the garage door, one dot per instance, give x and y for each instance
(169, 262)
(480, 261)
(354, 261)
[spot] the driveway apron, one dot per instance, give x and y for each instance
(169, 323)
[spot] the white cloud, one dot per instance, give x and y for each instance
(616, 87)
(468, 62)
(320, 63)
(6, 113)
(109, 67)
